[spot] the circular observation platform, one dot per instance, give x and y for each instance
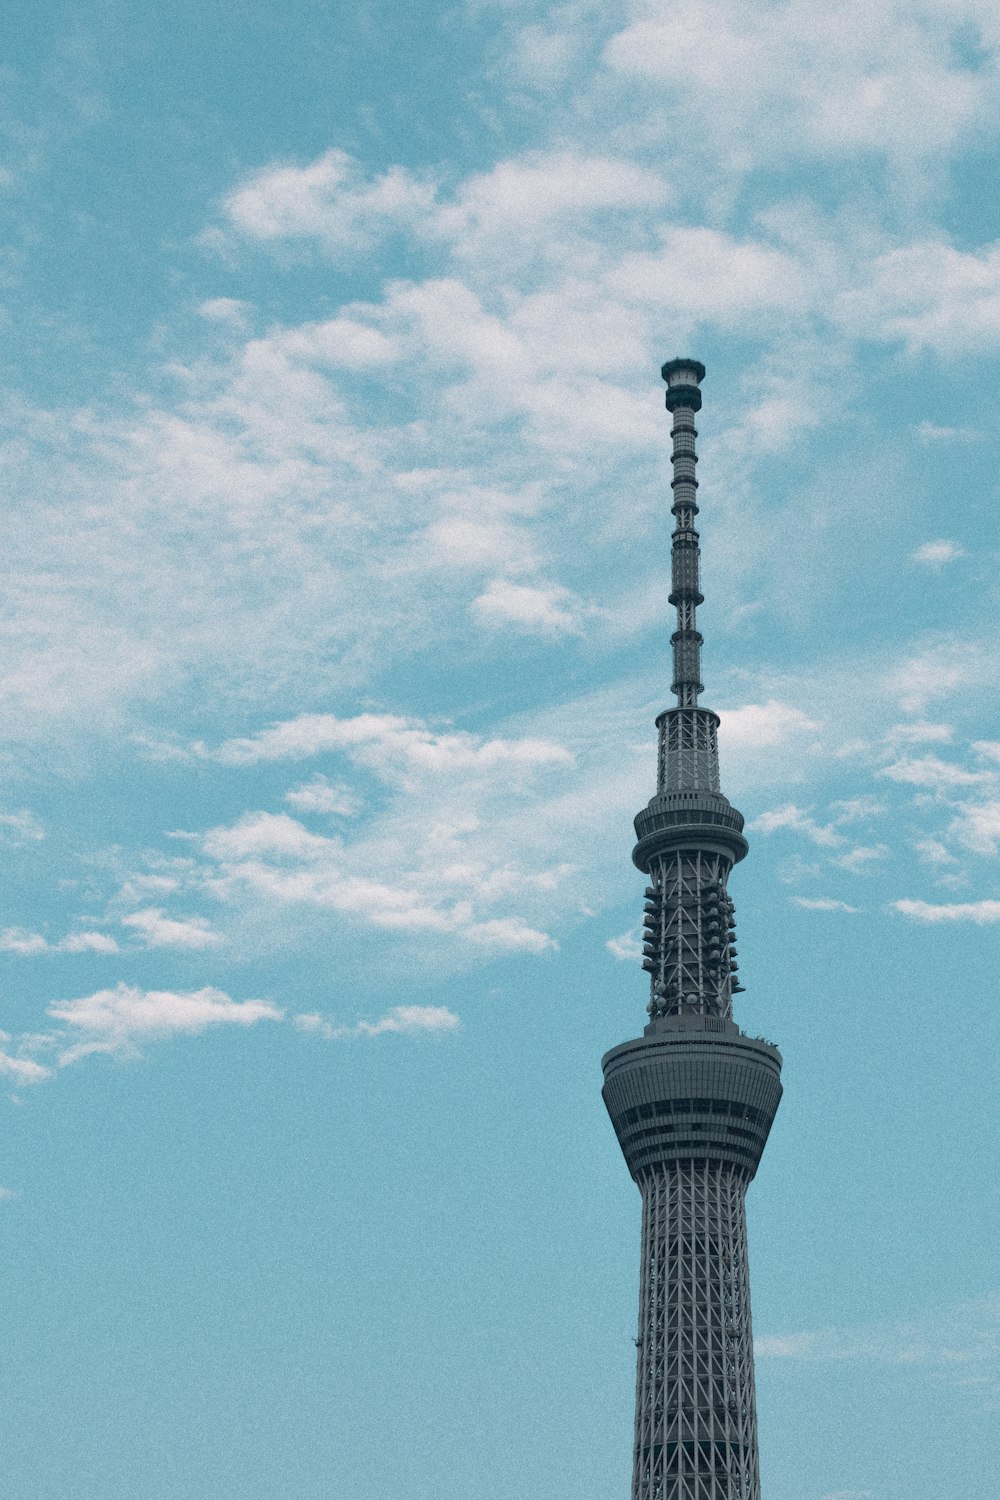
(688, 820)
(692, 1089)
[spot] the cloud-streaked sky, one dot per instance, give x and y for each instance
(336, 523)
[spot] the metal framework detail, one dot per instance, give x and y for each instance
(695, 1415)
(692, 1100)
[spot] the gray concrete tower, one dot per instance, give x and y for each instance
(692, 1099)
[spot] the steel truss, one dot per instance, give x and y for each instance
(695, 1419)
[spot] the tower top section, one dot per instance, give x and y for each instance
(683, 376)
(689, 835)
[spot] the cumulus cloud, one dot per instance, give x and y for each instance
(982, 913)
(118, 1020)
(319, 795)
(710, 275)
(21, 941)
(761, 725)
(543, 610)
(89, 942)
(799, 80)
(405, 1020)
(160, 931)
(932, 852)
(27, 944)
(383, 741)
(21, 1070)
(272, 858)
(936, 554)
(931, 771)
(330, 200)
(977, 827)
(521, 197)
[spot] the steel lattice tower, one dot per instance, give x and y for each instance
(691, 1100)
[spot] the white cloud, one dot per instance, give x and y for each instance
(937, 672)
(271, 857)
(384, 741)
(931, 771)
(859, 861)
(920, 733)
(21, 941)
(959, 1344)
(27, 944)
(20, 827)
(340, 343)
(936, 554)
(405, 1020)
(535, 609)
(800, 80)
(933, 852)
(989, 748)
(116, 1020)
(823, 903)
(160, 931)
(977, 827)
(328, 200)
(89, 942)
(930, 432)
(626, 946)
(931, 296)
(519, 199)
(764, 725)
(229, 311)
(982, 913)
(319, 795)
(798, 821)
(22, 1069)
(708, 275)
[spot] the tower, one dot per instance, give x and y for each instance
(691, 1100)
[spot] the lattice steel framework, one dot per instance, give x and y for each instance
(693, 1099)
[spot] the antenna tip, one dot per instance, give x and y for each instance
(682, 377)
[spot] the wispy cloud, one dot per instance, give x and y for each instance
(404, 1020)
(20, 827)
(120, 1020)
(960, 1344)
(28, 944)
(385, 741)
(983, 913)
(627, 946)
(931, 771)
(160, 931)
(545, 610)
(936, 554)
(823, 903)
(318, 795)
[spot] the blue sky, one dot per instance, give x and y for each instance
(336, 526)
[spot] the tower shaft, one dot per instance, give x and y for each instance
(695, 1413)
(692, 1100)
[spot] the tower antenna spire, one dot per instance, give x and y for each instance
(691, 1100)
(684, 377)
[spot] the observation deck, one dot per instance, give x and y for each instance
(692, 1088)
